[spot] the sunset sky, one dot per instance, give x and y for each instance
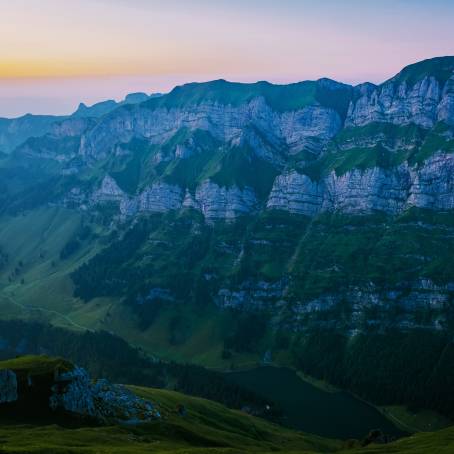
(56, 53)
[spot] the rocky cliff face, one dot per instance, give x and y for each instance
(423, 103)
(217, 202)
(225, 122)
(289, 140)
(397, 307)
(391, 190)
(430, 185)
(158, 198)
(386, 148)
(213, 201)
(297, 193)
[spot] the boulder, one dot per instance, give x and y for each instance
(76, 393)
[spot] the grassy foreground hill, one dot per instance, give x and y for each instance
(178, 435)
(204, 427)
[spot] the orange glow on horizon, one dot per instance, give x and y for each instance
(44, 43)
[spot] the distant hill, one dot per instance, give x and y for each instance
(102, 108)
(14, 132)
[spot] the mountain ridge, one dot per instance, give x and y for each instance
(15, 131)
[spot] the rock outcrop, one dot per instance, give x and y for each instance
(75, 393)
(218, 202)
(425, 102)
(297, 193)
(214, 201)
(48, 385)
(392, 190)
(224, 122)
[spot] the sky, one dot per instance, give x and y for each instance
(57, 53)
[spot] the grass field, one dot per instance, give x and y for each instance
(207, 427)
(35, 281)
(204, 426)
(418, 421)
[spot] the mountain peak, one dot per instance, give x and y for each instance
(135, 98)
(442, 68)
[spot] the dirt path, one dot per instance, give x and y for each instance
(29, 307)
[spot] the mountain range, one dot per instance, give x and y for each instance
(15, 131)
(308, 224)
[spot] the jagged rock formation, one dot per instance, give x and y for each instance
(430, 185)
(224, 122)
(229, 149)
(424, 103)
(75, 393)
(213, 201)
(217, 202)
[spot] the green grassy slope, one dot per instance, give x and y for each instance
(382, 145)
(278, 97)
(441, 442)
(179, 252)
(206, 427)
(440, 67)
(34, 281)
(177, 435)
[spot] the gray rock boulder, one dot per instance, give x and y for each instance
(75, 393)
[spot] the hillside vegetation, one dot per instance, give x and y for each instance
(187, 425)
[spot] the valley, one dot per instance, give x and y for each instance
(230, 227)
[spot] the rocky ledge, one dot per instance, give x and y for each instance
(358, 191)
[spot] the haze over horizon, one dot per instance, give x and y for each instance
(61, 53)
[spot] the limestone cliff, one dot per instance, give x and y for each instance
(430, 185)
(229, 149)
